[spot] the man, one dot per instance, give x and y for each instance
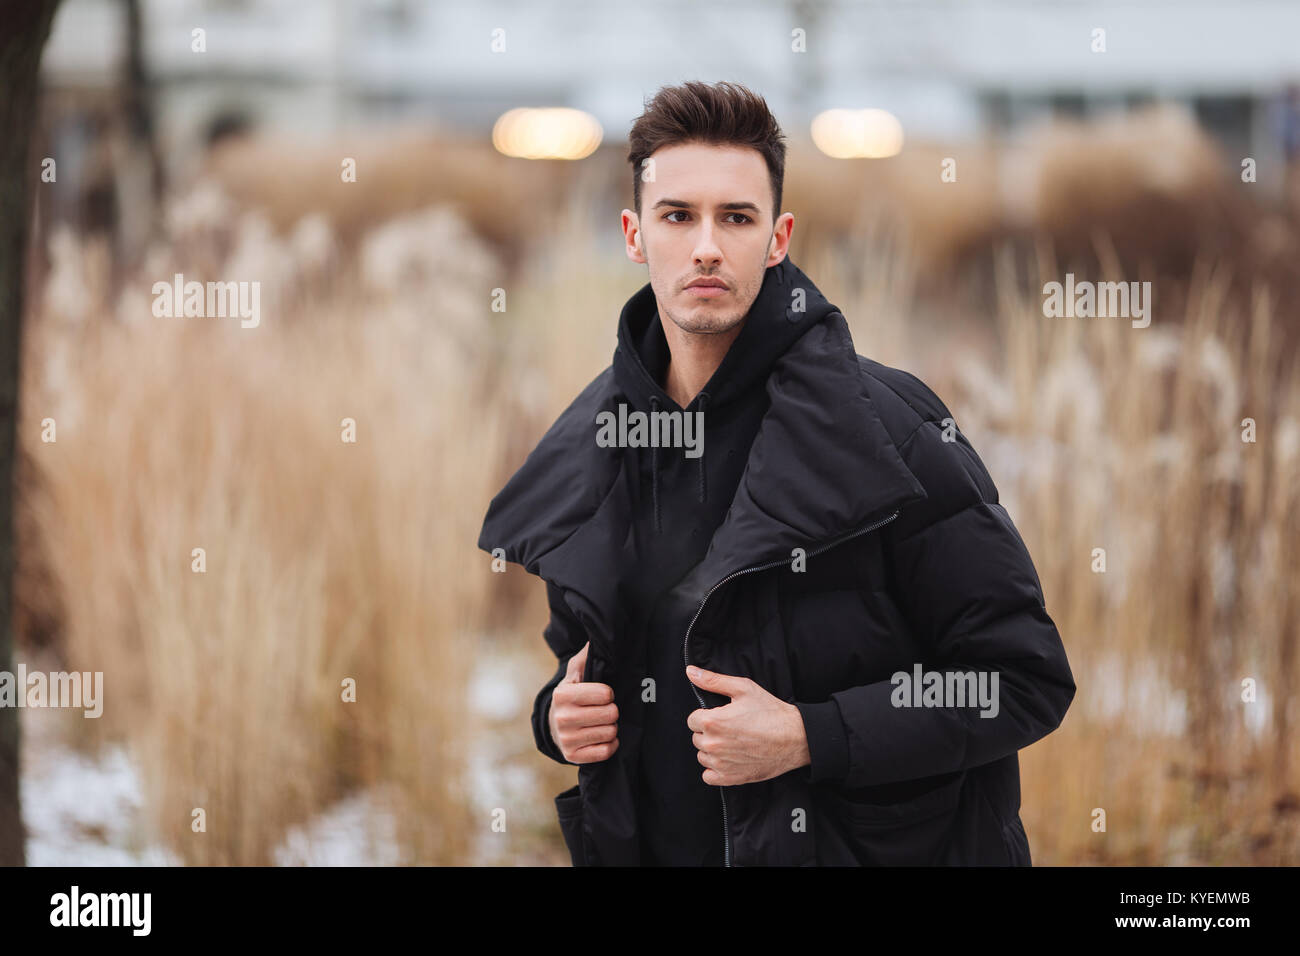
(828, 548)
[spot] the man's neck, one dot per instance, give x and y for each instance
(694, 357)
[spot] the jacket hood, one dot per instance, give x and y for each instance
(787, 305)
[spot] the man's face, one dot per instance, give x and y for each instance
(707, 215)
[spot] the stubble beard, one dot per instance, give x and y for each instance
(707, 319)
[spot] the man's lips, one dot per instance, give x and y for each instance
(707, 288)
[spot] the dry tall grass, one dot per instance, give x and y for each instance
(1104, 436)
(325, 560)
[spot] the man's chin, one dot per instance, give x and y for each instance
(704, 320)
(712, 327)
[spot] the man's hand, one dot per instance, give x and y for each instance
(753, 738)
(583, 717)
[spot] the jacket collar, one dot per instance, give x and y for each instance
(821, 467)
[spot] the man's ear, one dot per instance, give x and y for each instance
(630, 220)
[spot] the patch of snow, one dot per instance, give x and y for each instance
(494, 689)
(360, 830)
(84, 811)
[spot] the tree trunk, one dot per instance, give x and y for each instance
(140, 178)
(23, 31)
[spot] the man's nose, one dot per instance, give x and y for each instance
(706, 248)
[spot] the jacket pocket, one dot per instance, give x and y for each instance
(568, 806)
(911, 832)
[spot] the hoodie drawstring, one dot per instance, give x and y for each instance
(704, 401)
(654, 460)
(654, 466)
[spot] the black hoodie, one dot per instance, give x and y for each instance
(677, 504)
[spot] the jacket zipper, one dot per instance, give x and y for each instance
(726, 830)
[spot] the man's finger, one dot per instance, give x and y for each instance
(695, 719)
(584, 735)
(577, 666)
(589, 694)
(724, 684)
(596, 752)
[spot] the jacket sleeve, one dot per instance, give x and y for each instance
(828, 745)
(967, 589)
(565, 637)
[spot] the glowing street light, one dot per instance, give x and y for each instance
(552, 133)
(850, 134)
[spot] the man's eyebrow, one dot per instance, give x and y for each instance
(683, 204)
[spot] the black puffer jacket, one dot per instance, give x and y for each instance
(910, 562)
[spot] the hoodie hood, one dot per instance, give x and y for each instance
(787, 305)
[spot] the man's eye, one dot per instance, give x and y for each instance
(682, 212)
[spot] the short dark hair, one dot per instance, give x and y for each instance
(721, 114)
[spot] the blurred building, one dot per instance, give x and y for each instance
(946, 68)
